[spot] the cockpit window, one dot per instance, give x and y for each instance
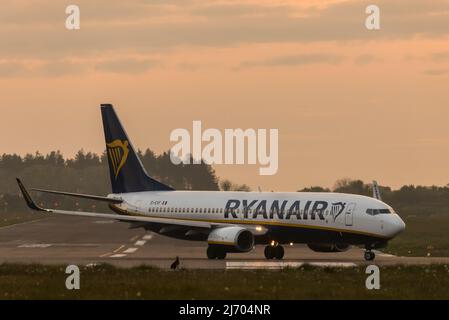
(374, 212)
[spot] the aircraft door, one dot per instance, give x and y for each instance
(349, 214)
(139, 206)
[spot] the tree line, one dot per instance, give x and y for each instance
(88, 173)
(407, 201)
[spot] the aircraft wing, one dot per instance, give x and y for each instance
(187, 223)
(83, 196)
(255, 229)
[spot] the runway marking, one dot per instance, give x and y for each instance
(140, 242)
(276, 265)
(104, 221)
(114, 251)
(333, 264)
(119, 255)
(35, 245)
(147, 237)
(262, 265)
(130, 250)
(22, 223)
(386, 255)
(134, 238)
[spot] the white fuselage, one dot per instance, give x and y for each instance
(355, 218)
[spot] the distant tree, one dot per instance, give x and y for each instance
(227, 185)
(351, 186)
(314, 189)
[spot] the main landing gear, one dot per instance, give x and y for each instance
(369, 255)
(214, 252)
(274, 251)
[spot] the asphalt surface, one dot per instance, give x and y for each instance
(83, 241)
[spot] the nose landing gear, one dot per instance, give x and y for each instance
(369, 255)
(274, 251)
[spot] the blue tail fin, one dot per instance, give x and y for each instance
(125, 168)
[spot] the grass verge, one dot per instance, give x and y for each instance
(423, 236)
(107, 282)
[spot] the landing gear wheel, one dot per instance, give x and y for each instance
(215, 253)
(269, 252)
(369, 255)
(221, 254)
(278, 252)
(211, 253)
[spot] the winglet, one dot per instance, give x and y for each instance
(30, 203)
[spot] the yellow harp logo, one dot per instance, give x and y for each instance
(118, 153)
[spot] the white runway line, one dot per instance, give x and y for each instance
(22, 223)
(104, 221)
(110, 253)
(333, 264)
(147, 237)
(262, 265)
(119, 255)
(382, 254)
(119, 248)
(35, 245)
(276, 265)
(140, 242)
(387, 255)
(130, 250)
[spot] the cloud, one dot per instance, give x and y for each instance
(294, 60)
(11, 68)
(436, 72)
(365, 59)
(440, 56)
(141, 26)
(64, 67)
(131, 66)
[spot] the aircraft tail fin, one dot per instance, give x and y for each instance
(125, 168)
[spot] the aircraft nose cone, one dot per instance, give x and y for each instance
(397, 225)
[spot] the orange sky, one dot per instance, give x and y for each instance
(348, 102)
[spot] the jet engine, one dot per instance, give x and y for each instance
(328, 247)
(236, 239)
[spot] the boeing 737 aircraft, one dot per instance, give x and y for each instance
(233, 221)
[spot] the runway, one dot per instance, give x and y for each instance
(84, 241)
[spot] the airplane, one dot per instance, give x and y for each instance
(232, 221)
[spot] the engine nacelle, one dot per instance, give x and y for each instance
(236, 239)
(328, 247)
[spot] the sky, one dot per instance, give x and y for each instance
(348, 102)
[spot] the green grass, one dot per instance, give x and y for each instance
(107, 282)
(423, 236)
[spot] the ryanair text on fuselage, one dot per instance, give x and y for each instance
(282, 209)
